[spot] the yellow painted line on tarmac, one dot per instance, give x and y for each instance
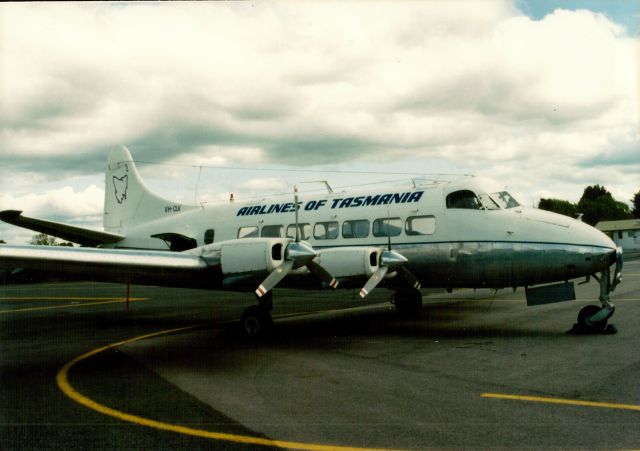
(569, 402)
(80, 304)
(62, 379)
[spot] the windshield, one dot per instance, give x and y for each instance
(504, 199)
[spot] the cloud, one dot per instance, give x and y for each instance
(64, 202)
(262, 184)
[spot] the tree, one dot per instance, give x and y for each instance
(42, 239)
(594, 192)
(560, 206)
(597, 204)
(636, 204)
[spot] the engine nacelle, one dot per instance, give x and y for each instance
(245, 255)
(350, 262)
(252, 255)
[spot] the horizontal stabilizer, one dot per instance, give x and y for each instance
(82, 236)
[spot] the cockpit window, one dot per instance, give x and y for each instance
(505, 200)
(463, 199)
(487, 202)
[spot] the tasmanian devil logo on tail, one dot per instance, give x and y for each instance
(121, 184)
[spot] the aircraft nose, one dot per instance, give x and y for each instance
(573, 231)
(591, 235)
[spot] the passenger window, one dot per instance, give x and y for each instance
(325, 230)
(387, 227)
(305, 231)
(247, 232)
(272, 231)
(355, 229)
(463, 199)
(208, 236)
(420, 225)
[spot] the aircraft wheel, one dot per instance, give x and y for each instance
(256, 322)
(586, 313)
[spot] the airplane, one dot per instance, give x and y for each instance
(468, 233)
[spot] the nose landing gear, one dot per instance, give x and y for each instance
(593, 319)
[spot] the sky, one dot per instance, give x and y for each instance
(253, 98)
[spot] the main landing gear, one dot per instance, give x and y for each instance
(408, 302)
(593, 319)
(256, 321)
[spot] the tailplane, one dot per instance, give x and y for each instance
(127, 200)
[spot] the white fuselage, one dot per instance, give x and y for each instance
(447, 245)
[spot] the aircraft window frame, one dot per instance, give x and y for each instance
(411, 229)
(305, 231)
(276, 227)
(487, 202)
(254, 232)
(209, 236)
(505, 200)
(383, 227)
(463, 201)
(330, 230)
(356, 228)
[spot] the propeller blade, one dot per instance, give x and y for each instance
(322, 273)
(274, 278)
(409, 278)
(374, 280)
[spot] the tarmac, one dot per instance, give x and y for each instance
(478, 370)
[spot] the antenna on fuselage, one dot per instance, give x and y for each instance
(388, 228)
(295, 201)
(324, 182)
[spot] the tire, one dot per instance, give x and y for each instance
(256, 322)
(586, 313)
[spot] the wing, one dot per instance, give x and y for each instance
(84, 237)
(113, 265)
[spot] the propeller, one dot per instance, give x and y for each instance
(313, 266)
(388, 260)
(297, 254)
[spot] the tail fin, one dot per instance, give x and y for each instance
(127, 200)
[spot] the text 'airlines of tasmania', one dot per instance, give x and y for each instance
(458, 234)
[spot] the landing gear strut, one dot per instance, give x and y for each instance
(408, 302)
(256, 321)
(593, 319)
